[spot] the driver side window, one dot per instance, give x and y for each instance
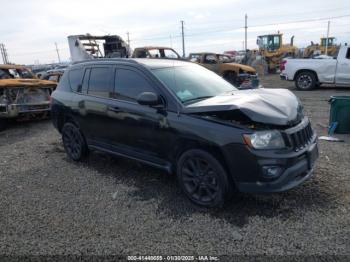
(129, 84)
(348, 53)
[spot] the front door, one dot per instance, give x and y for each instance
(343, 68)
(140, 130)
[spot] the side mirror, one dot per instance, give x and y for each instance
(149, 99)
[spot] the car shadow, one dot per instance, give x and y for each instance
(153, 184)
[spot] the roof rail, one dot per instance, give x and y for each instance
(106, 60)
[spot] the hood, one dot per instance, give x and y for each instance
(243, 67)
(18, 82)
(268, 106)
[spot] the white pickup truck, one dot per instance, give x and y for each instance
(309, 73)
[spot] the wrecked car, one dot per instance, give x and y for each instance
(155, 52)
(54, 76)
(234, 73)
(89, 46)
(185, 119)
(22, 94)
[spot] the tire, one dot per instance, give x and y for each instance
(74, 142)
(202, 178)
(305, 81)
(3, 124)
(232, 78)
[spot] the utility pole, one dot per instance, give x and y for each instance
(4, 54)
(245, 31)
(58, 53)
(128, 37)
(329, 22)
(183, 38)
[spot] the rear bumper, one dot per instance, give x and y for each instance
(284, 77)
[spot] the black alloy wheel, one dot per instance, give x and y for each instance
(305, 81)
(202, 178)
(74, 142)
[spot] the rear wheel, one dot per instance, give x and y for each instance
(305, 81)
(74, 142)
(202, 178)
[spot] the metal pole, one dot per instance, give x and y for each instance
(329, 22)
(2, 53)
(245, 29)
(183, 38)
(128, 35)
(58, 53)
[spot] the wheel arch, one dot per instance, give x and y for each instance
(185, 144)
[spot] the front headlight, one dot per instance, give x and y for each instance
(271, 139)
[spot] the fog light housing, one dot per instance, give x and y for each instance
(272, 171)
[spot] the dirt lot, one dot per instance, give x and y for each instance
(108, 205)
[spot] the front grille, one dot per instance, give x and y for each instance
(300, 136)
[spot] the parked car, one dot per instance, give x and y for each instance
(155, 52)
(309, 73)
(54, 76)
(22, 94)
(185, 119)
(232, 72)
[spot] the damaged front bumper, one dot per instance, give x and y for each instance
(292, 176)
(15, 110)
(260, 171)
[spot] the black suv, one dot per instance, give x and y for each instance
(185, 119)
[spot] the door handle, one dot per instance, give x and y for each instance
(114, 109)
(344, 64)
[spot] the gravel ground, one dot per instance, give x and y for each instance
(50, 205)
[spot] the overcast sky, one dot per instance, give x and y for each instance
(30, 28)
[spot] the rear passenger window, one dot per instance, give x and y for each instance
(100, 82)
(129, 84)
(348, 54)
(75, 78)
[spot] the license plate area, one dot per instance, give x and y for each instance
(312, 155)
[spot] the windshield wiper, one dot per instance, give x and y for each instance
(197, 98)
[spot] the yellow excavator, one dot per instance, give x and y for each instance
(320, 49)
(271, 52)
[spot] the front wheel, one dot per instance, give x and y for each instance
(202, 178)
(305, 81)
(74, 142)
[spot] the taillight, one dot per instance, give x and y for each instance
(283, 65)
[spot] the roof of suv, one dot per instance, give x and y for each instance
(149, 63)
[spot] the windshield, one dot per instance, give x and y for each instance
(192, 82)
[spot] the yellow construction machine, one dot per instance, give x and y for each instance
(271, 52)
(320, 49)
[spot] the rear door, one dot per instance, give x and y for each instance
(94, 102)
(343, 67)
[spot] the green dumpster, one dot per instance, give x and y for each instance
(340, 113)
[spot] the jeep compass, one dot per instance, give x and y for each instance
(186, 120)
